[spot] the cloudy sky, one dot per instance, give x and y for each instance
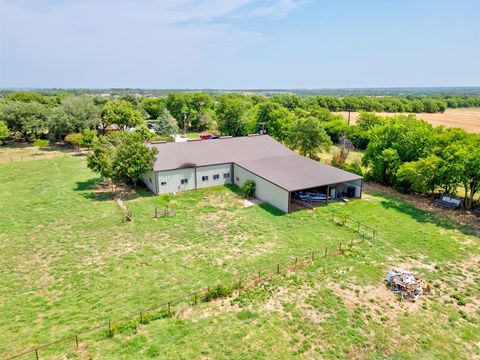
(233, 44)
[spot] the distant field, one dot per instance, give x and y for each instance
(467, 119)
(69, 262)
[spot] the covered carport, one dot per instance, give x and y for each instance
(296, 175)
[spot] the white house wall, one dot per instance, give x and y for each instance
(264, 190)
(149, 180)
(212, 170)
(172, 180)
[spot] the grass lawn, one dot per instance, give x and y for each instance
(68, 262)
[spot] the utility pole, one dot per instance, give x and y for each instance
(185, 119)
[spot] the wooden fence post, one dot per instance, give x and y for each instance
(110, 332)
(195, 298)
(351, 242)
(141, 317)
(340, 247)
(278, 268)
(76, 340)
(313, 255)
(240, 284)
(373, 233)
(36, 354)
(169, 310)
(259, 274)
(325, 252)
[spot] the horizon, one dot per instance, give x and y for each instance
(238, 44)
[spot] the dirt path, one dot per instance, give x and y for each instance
(461, 217)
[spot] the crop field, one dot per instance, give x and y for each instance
(467, 119)
(69, 262)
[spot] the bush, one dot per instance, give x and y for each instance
(41, 143)
(220, 291)
(73, 139)
(248, 189)
(354, 167)
(4, 133)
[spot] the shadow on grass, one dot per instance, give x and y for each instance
(421, 216)
(94, 189)
(271, 209)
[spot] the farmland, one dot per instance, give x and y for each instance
(68, 262)
(467, 119)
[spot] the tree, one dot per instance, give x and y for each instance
(153, 107)
(463, 157)
(408, 137)
(309, 137)
(4, 133)
(121, 157)
(232, 114)
(367, 121)
(30, 119)
(422, 175)
(345, 145)
(75, 114)
(278, 120)
(166, 123)
(121, 113)
(177, 105)
(384, 167)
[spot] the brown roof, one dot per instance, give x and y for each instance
(295, 172)
(216, 151)
(261, 155)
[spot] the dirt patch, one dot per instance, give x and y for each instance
(462, 217)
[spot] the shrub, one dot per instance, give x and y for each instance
(4, 133)
(220, 291)
(73, 139)
(248, 189)
(41, 143)
(88, 137)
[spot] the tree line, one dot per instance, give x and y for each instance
(400, 151)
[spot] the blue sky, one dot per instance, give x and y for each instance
(239, 43)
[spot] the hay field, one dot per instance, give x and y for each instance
(467, 119)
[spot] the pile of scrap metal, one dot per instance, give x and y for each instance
(406, 283)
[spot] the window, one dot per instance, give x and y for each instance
(204, 178)
(184, 181)
(226, 175)
(163, 183)
(216, 177)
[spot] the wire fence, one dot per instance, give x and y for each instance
(15, 157)
(237, 284)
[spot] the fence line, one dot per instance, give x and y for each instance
(10, 158)
(238, 282)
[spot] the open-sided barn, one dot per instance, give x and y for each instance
(279, 173)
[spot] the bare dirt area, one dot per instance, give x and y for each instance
(462, 217)
(467, 119)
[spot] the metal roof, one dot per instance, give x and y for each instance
(261, 155)
(216, 151)
(295, 172)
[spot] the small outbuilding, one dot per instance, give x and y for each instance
(281, 176)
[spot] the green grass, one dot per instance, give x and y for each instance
(68, 262)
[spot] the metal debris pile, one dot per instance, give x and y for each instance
(406, 283)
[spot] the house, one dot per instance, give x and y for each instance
(279, 173)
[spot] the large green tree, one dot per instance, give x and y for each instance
(278, 119)
(422, 175)
(30, 119)
(75, 114)
(165, 123)
(121, 156)
(309, 137)
(120, 113)
(233, 115)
